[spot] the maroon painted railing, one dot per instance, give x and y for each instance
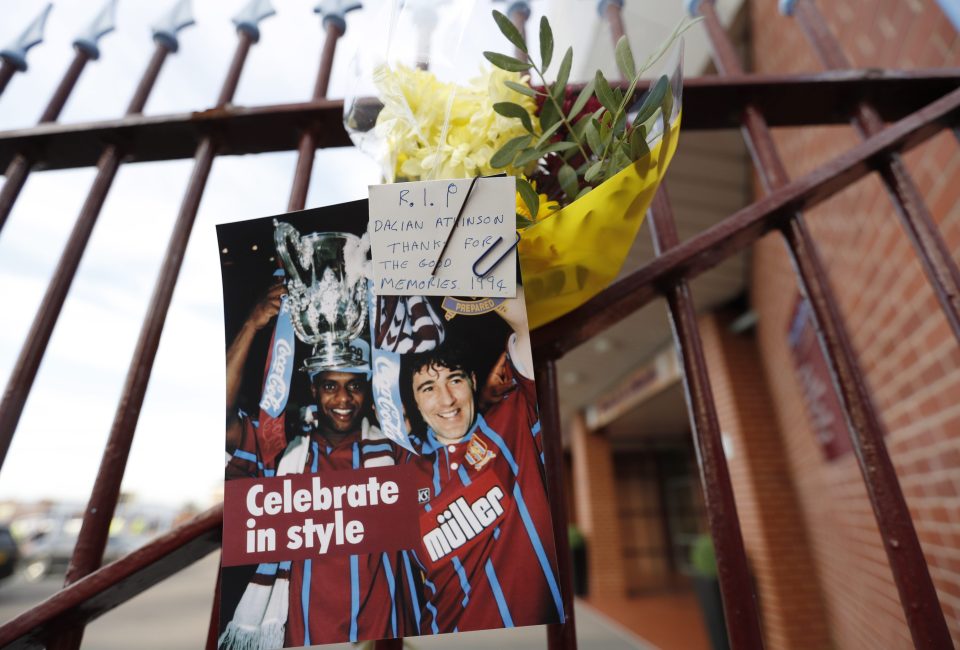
(923, 103)
(918, 596)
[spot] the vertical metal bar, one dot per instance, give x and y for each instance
(519, 14)
(19, 168)
(739, 601)
(918, 597)
(6, 73)
(25, 371)
(213, 631)
(148, 79)
(931, 249)
(307, 146)
(92, 539)
(60, 95)
(560, 636)
(612, 11)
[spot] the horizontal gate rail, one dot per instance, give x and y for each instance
(117, 582)
(707, 249)
(709, 103)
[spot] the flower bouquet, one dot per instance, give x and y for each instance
(588, 160)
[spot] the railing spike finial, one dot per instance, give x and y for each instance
(520, 8)
(105, 22)
(334, 12)
(692, 7)
(179, 17)
(16, 53)
(787, 7)
(248, 20)
(603, 4)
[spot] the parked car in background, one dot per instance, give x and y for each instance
(9, 553)
(48, 537)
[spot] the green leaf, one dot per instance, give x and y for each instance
(625, 60)
(558, 146)
(507, 63)
(652, 100)
(621, 124)
(605, 94)
(605, 133)
(563, 74)
(523, 89)
(509, 109)
(549, 115)
(584, 191)
(546, 44)
(547, 134)
(527, 156)
(638, 144)
(667, 107)
(592, 132)
(507, 152)
(568, 180)
(508, 29)
(580, 126)
(619, 160)
(593, 171)
(582, 99)
(530, 198)
(558, 92)
(523, 223)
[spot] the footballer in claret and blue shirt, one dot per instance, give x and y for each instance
(327, 599)
(487, 556)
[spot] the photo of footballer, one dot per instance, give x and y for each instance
(323, 376)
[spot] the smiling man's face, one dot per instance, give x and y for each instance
(341, 400)
(445, 400)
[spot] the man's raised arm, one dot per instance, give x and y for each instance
(262, 313)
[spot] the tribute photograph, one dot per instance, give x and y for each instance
(384, 461)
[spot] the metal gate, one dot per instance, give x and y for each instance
(919, 104)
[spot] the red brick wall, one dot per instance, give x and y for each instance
(911, 360)
(788, 586)
(597, 507)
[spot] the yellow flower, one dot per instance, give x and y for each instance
(434, 129)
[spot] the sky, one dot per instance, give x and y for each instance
(177, 452)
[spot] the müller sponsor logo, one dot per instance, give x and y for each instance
(387, 411)
(275, 387)
(461, 521)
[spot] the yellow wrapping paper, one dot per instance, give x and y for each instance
(575, 253)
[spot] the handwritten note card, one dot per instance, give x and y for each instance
(409, 223)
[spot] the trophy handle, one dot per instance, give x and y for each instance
(283, 234)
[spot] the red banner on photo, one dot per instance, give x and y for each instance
(306, 516)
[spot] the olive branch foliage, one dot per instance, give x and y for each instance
(594, 146)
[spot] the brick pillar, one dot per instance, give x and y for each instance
(774, 534)
(595, 498)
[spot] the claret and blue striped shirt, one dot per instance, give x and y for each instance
(487, 556)
(334, 599)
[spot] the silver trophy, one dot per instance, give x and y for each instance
(326, 292)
